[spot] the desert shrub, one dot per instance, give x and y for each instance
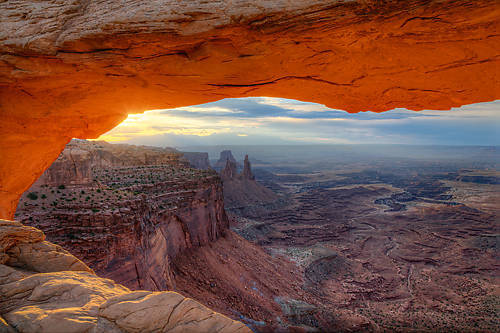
(61, 187)
(43, 196)
(32, 196)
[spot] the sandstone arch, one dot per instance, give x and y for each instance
(77, 68)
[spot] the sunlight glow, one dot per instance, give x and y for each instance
(266, 120)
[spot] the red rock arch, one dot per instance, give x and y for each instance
(76, 69)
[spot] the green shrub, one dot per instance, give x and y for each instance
(61, 187)
(43, 196)
(32, 196)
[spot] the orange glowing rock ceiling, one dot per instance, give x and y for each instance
(77, 68)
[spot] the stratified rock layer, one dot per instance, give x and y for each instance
(197, 160)
(77, 68)
(76, 163)
(66, 296)
(136, 209)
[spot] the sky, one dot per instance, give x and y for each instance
(279, 121)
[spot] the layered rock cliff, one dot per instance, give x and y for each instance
(133, 217)
(197, 160)
(77, 68)
(77, 162)
(45, 289)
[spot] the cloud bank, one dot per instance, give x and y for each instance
(265, 120)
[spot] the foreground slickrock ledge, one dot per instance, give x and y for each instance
(43, 288)
(77, 68)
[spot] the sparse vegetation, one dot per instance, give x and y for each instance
(32, 196)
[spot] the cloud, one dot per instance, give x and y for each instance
(257, 119)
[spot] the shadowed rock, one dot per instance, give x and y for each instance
(247, 172)
(229, 171)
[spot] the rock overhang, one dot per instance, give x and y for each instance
(77, 68)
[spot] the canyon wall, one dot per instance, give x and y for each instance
(133, 217)
(197, 160)
(77, 68)
(76, 162)
(134, 241)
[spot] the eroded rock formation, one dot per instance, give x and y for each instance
(242, 192)
(230, 171)
(138, 208)
(247, 170)
(77, 68)
(224, 157)
(45, 289)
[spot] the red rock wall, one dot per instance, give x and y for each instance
(135, 244)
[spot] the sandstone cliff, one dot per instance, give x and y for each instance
(135, 211)
(43, 288)
(197, 160)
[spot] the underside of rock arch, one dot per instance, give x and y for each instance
(77, 68)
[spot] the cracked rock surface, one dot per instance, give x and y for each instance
(64, 295)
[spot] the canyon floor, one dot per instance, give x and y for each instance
(418, 263)
(394, 244)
